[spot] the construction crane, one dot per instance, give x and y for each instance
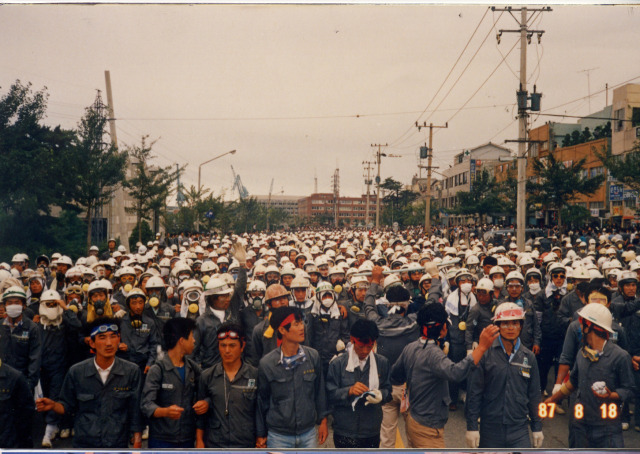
(269, 203)
(237, 184)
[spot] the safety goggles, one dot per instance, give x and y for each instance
(229, 335)
(74, 291)
(103, 329)
(128, 279)
(514, 286)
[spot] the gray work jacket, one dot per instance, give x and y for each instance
(105, 414)
(427, 372)
(504, 391)
(361, 421)
(163, 387)
(290, 402)
(231, 420)
(614, 368)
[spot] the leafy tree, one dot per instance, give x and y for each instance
(625, 168)
(397, 202)
(576, 215)
(140, 233)
(559, 184)
(150, 186)
(100, 166)
(34, 160)
(483, 199)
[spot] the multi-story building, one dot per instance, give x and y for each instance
(626, 112)
(551, 138)
(288, 203)
(351, 210)
(459, 176)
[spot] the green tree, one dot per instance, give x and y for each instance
(150, 186)
(34, 160)
(483, 199)
(625, 168)
(559, 184)
(100, 166)
(141, 233)
(397, 202)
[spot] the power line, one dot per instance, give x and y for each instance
(401, 138)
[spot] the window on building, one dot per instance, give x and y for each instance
(619, 116)
(533, 151)
(581, 204)
(630, 202)
(596, 205)
(595, 171)
(635, 117)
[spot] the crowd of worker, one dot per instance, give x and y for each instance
(263, 340)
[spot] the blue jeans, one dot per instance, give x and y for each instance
(308, 439)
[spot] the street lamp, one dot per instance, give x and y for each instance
(200, 171)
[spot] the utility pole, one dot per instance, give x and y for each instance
(525, 37)
(427, 211)
(368, 181)
(588, 71)
(119, 196)
(379, 154)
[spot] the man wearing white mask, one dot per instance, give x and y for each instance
(60, 328)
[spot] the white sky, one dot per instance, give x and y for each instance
(283, 84)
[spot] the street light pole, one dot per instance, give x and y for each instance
(199, 175)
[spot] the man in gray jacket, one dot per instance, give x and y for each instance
(291, 392)
(427, 370)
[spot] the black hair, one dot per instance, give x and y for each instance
(597, 288)
(398, 294)
(278, 315)
(232, 326)
(489, 260)
(175, 329)
(364, 330)
(431, 318)
(103, 321)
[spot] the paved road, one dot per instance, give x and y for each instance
(555, 432)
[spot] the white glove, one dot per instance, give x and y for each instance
(169, 292)
(473, 439)
(375, 399)
(469, 352)
(556, 388)
(121, 313)
(238, 252)
(474, 346)
(538, 438)
(340, 345)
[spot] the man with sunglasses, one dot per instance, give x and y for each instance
(102, 392)
(230, 387)
(603, 376)
(504, 390)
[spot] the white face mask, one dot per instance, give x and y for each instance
(466, 288)
(534, 288)
(14, 310)
(50, 313)
(498, 283)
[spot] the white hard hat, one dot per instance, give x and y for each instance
(508, 311)
(485, 284)
(217, 286)
(598, 314)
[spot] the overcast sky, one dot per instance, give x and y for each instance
(299, 89)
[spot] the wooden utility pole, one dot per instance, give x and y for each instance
(368, 181)
(427, 211)
(379, 154)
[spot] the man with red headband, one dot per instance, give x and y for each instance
(230, 386)
(357, 386)
(427, 370)
(291, 393)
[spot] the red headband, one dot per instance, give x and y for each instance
(290, 318)
(359, 343)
